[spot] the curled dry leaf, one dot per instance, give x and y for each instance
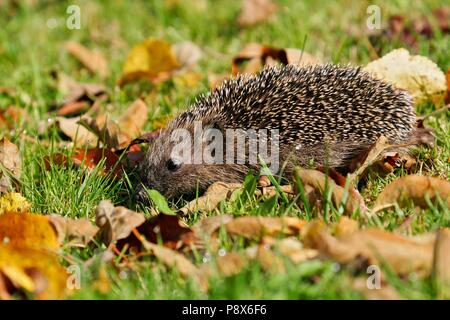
(76, 132)
(76, 233)
(441, 263)
(360, 163)
(414, 188)
(78, 97)
(373, 246)
(13, 202)
(134, 118)
(257, 227)
(319, 181)
(169, 229)
(255, 11)
(10, 165)
(116, 223)
(257, 56)
(93, 60)
(418, 75)
(216, 193)
(107, 131)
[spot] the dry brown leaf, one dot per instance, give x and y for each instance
(216, 193)
(77, 96)
(10, 165)
(76, 233)
(107, 131)
(292, 248)
(257, 56)
(134, 118)
(188, 55)
(255, 11)
(346, 226)
(179, 262)
(366, 159)
(169, 229)
(208, 226)
(93, 60)
(257, 227)
(414, 188)
(441, 263)
(373, 246)
(76, 132)
(116, 222)
(230, 264)
(319, 181)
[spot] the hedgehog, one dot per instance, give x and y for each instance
(321, 115)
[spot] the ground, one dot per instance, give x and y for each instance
(31, 47)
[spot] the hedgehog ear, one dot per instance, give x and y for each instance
(215, 125)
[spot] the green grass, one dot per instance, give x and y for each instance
(29, 51)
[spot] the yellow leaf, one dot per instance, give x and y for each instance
(36, 271)
(151, 59)
(27, 230)
(13, 202)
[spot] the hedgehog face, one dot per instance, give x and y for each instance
(176, 165)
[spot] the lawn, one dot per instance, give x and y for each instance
(32, 39)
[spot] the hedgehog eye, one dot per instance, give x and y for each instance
(173, 164)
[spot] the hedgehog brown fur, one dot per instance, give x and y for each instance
(326, 113)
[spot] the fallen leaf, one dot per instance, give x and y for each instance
(12, 116)
(77, 96)
(35, 271)
(27, 230)
(372, 246)
(418, 75)
(152, 59)
(94, 61)
(134, 118)
(206, 227)
(257, 56)
(257, 227)
(10, 165)
(13, 202)
(167, 229)
(292, 248)
(216, 193)
(116, 223)
(91, 158)
(76, 132)
(414, 188)
(441, 263)
(350, 198)
(360, 163)
(255, 11)
(107, 131)
(188, 55)
(177, 261)
(73, 232)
